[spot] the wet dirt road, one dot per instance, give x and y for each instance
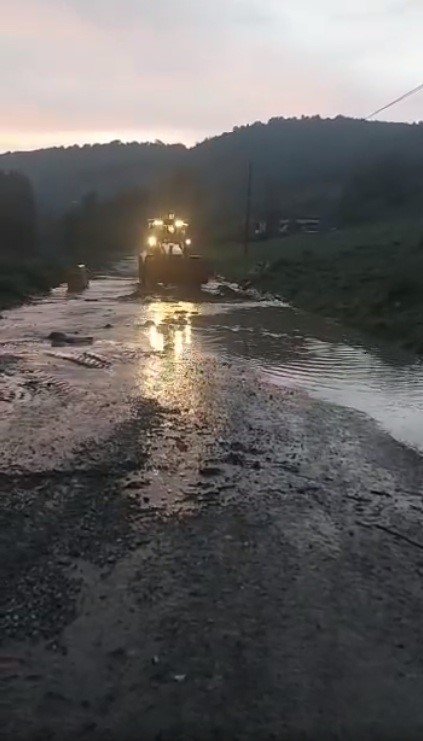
(195, 543)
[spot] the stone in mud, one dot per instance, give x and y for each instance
(210, 471)
(134, 484)
(237, 446)
(119, 654)
(235, 459)
(59, 339)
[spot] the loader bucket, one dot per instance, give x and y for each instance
(176, 270)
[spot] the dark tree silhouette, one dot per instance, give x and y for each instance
(17, 217)
(95, 230)
(302, 167)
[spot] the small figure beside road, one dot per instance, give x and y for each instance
(77, 279)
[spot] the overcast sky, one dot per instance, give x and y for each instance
(179, 70)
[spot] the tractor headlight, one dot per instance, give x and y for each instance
(152, 241)
(179, 223)
(188, 242)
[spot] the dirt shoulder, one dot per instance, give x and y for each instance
(261, 599)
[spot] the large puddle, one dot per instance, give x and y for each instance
(295, 350)
(288, 347)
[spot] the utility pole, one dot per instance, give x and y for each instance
(248, 209)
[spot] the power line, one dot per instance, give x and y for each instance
(397, 100)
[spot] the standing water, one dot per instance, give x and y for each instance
(287, 347)
(300, 351)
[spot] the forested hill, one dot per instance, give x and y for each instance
(63, 175)
(307, 165)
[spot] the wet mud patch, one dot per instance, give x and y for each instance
(52, 521)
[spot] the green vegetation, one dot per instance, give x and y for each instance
(23, 272)
(367, 276)
(18, 282)
(95, 232)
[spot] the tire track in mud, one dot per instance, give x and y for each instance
(32, 385)
(85, 359)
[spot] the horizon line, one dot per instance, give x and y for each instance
(187, 146)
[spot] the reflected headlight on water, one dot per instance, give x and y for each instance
(172, 326)
(156, 339)
(178, 342)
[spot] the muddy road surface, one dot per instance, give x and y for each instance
(211, 522)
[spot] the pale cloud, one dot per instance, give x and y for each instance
(76, 70)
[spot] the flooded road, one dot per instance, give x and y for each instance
(210, 525)
(287, 347)
(296, 350)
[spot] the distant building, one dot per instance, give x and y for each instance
(277, 226)
(308, 226)
(284, 226)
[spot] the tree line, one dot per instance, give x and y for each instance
(18, 221)
(93, 201)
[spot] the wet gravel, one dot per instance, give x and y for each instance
(50, 520)
(211, 557)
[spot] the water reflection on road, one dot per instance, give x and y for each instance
(170, 325)
(295, 350)
(168, 329)
(158, 341)
(299, 351)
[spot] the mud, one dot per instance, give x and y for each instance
(188, 550)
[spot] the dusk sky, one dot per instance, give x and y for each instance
(75, 71)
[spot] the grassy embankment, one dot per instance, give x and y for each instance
(370, 276)
(18, 282)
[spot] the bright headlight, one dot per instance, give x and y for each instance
(188, 242)
(152, 241)
(179, 223)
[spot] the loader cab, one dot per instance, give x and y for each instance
(166, 258)
(168, 236)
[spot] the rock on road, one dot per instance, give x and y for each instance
(189, 553)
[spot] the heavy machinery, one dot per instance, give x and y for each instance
(167, 258)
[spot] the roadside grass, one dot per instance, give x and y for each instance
(18, 282)
(369, 276)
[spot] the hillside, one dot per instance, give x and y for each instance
(300, 165)
(63, 175)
